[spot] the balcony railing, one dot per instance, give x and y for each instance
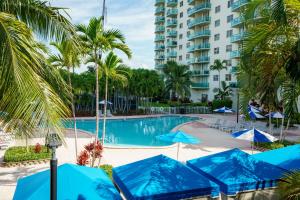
(200, 85)
(233, 84)
(199, 21)
(172, 54)
(199, 34)
(159, 66)
(172, 3)
(159, 47)
(238, 4)
(172, 12)
(172, 33)
(172, 23)
(198, 8)
(203, 46)
(199, 60)
(159, 38)
(191, 2)
(159, 2)
(159, 19)
(172, 44)
(237, 21)
(160, 57)
(159, 29)
(200, 73)
(233, 70)
(235, 54)
(159, 10)
(237, 37)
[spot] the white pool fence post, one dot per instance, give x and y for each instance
(178, 146)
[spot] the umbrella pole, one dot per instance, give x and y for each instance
(178, 146)
(251, 148)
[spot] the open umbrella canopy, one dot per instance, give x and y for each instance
(223, 110)
(276, 115)
(253, 109)
(254, 113)
(73, 182)
(178, 137)
(254, 135)
(103, 102)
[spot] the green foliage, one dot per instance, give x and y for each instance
(224, 92)
(107, 169)
(289, 186)
(274, 145)
(221, 103)
(18, 154)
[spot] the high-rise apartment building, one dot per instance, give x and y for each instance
(197, 32)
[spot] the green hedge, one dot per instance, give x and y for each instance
(274, 145)
(221, 103)
(107, 169)
(18, 154)
(175, 104)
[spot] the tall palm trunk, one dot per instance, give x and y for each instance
(270, 121)
(97, 107)
(73, 110)
(219, 80)
(105, 110)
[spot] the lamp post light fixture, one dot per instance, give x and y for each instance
(53, 142)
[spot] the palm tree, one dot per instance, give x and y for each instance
(218, 66)
(289, 186)
(177, 79)
(224, 91)
(112, 69)
(68, 58)
(96, 41)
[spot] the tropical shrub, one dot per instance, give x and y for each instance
(221, 103)
(18, 154)
(107, 169)
(274, 145)
(90, 154)
(289, 186)
(37, 148)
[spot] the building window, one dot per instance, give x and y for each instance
(188, 33)
(216, 50)
(229, 18)
(216, 77)
(180, 36)
(217, 9)
(187, 56)
(180, 25)
(180, 47)
(229, 33)
(181, 15)
(228, 63)
(217, 37)
(181, 3)
(217, 23)
(188, 45)
(180, 58)
(228, 48)
(229, 3)
(228, 77)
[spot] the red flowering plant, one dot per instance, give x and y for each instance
(37, 148)
(92, 152)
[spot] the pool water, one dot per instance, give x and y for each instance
(138, 131)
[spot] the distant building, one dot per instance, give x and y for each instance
(197, 32)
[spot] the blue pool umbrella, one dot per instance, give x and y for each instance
(162, 178)
(276, 115)
(178, 137)
(103, 102)
(287, 157)
(223, 110)
(236, 171)
(254, 113)
(73, 181)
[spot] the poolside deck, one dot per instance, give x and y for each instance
(213, 141)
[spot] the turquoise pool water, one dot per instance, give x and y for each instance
(138, 131)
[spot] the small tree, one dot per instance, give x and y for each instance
(223, 92)
(218, 66)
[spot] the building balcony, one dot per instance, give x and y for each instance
(238, 4)
(172, 23)
(233, 70)
(172, 44)
(172, 3)
(200, 85)
(237, 21)
(237, 37)
(159, 29)
(157, 2)
(203, 46)
(199, 60)
(172, 12)
(159, 19)
(159, 57)
(235, 54)
(159, 48)
(198, 8)
(172, 33)
(172, 54)
(159, 38)
(199, 34)
(159, 66)
(199, 21)
(159, 10)
(200, 73)
(233, 84)
(191, 2)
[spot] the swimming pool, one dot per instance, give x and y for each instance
(133, 132)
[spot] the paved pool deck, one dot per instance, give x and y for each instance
(212, 141)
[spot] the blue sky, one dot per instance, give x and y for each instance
(135, 18)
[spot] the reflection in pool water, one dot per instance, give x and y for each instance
(138, 131)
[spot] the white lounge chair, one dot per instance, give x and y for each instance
(108, 113)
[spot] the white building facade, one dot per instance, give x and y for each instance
(196, 33)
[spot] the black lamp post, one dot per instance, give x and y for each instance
(53, 142)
